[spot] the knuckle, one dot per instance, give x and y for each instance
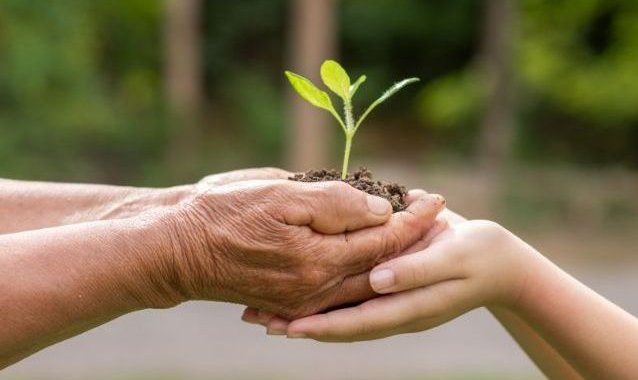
(393, 243)
(411, 224)
(424, 211)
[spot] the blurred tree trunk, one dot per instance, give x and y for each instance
(497, 55)
(184, 82)
(497, 126)
(312, 36)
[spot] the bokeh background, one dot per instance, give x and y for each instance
(526, 113)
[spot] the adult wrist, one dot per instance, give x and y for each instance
(187, 260)
(155, 280)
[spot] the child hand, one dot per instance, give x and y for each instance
(471, 264)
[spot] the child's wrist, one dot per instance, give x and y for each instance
(515, 263)
(527, 265)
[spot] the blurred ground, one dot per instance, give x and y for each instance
(207, 341)
(589, 228)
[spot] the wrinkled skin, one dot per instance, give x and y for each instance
(287, 247)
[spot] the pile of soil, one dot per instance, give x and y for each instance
(361, 180)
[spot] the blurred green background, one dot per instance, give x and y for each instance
(527, 111)
(83, 85)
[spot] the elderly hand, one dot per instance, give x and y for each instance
(287, 247)
(457, 266)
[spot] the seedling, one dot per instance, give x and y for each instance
(337, 80)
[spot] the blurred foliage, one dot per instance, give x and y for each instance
(78, 88)
(81, 82)
(577, 83)
(244, 54)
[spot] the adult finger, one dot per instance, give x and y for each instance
(450, 216)
(333, 207)
(440, 225)
(265, 316)
(430, 266)
(368, 247)
(251, 315)
(353, 290)
(275, 325)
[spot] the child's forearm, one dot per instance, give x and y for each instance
(32, 205)
(554, 366)
(540, 352)
(597, 338)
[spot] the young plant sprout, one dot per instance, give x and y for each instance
(337, 80)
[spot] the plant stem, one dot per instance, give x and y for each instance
(347, 110)
(346, 155)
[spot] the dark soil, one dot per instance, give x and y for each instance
(361, 180)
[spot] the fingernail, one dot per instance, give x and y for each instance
(439, 198)
(271, 331)
(378, 206)
(249, 317)
(381, 279)
(296, 335)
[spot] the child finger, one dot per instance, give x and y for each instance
(366, 321)
(430, 266)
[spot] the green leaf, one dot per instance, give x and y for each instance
(313, 95)
(310, 92)
(394, 89)
(388, 93)
(336, 78)
(355, 85)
